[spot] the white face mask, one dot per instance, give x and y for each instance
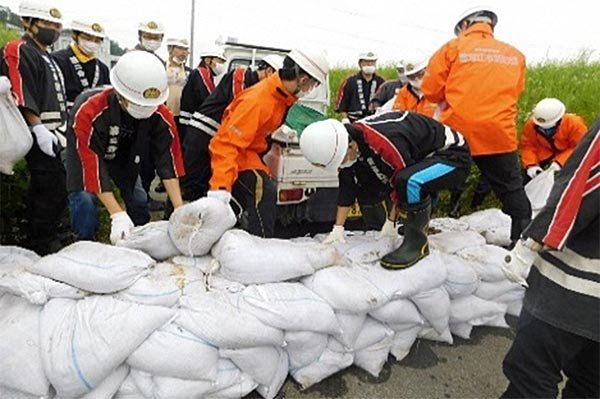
(416, 83)
(368, 69)
(89, 47)
(151, 45)
(348, 163)
(403, 79)
(179, 60)
(140, 111)
(219, 69)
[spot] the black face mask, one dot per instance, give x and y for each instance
(46, 36)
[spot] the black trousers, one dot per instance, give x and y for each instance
(196, 159)
(46, 200)
(540, 354)
(256, 193)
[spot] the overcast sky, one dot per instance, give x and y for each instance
(406, 29)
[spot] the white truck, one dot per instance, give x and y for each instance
(305, 193)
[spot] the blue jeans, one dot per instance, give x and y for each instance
(83, 207)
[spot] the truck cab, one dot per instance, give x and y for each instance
(305, 193)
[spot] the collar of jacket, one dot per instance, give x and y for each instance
(278, 89)
(479, 27)
(83, 58)
(27, 38)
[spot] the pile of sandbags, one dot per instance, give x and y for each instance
(145, 320)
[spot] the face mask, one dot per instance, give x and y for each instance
(403, 79)
(549, 132)
(46, 36)
(349, 163)
(368, 69)
(140, 111)
(151, 45)
(89, 47)
(179, 60)
(219, 69)
(416, 83)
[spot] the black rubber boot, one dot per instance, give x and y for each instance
(415, 246)
(516, 228)
(455, 204)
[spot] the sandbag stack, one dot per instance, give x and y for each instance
(242, 313)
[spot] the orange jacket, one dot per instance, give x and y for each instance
(407, 100)
(480, 79)
(248, 120)
(536, 148)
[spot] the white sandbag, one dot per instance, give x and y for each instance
(452, 242)
(538, 190)
(431, 334)
(329, 363)
(260, 363)
(490, 291)
(515, 295)
(195, 227)
(304, 347)
(94, 267)
(37, 289)
(15, 138)
(269, 391)
(360, 289)
(109, 387)
(461, 330)
(290, 307)
(434, 305)
(152, 238)
(14, 258)
(172, 351)
(163, 286)
(254, 260)
(143, 382)
(399, 314)
(83, 341)
(129, 389)
(514, 308)
(21, 365)
(403, 341)
(470, 311)
(373, 357)
(372, 332)
(350, 325)
(462, 279)
(448, 225)
(487, 260)
(492, 224)
(372, 250)
(220, 283)
(216, 318)
(206, 264)
(10, 393)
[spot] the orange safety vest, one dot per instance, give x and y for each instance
(536, 148)
(480, 80)
(406, 100)
(242, 137)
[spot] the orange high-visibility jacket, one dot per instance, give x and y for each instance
(248, 120)
(536, 148)
(407, 100)
(480, 79)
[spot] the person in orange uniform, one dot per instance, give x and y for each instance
(410, 97)
(477, 81)
(549, 137)
(238, 170)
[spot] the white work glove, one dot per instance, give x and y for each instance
(45, 139)
(533, 171)
(221, 195)
(336, 236)
(554, 167)
(5, 85)
(345, 120)
(120, 227)
(389, 229)
(518, 262)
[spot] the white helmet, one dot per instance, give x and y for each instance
(476, 14)
(34, 9)
(92, 29)
(414, 67)
(313, 62)
(325, 143)
(547, 112)
(141, 78)
(274, 61)
(216, 52)
(154, 27)
(178, 43)
(367, 56)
